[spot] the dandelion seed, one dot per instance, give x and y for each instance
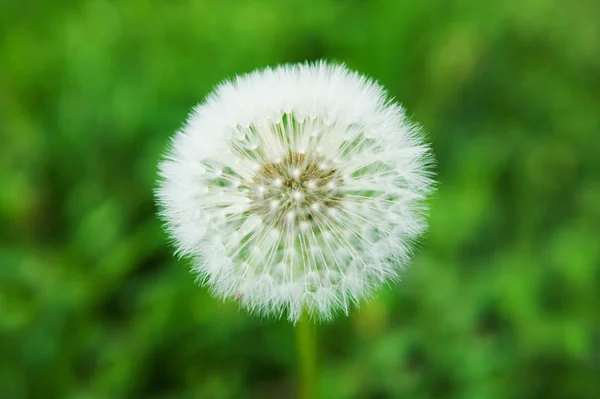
(319, 182)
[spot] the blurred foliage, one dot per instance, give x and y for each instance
(502, 301)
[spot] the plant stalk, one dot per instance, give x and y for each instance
(307, 357)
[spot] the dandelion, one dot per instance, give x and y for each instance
(296, 189)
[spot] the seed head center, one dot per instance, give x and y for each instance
(295, 190)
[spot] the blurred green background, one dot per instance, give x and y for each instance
(503, 298)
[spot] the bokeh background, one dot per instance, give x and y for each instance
(503, 298)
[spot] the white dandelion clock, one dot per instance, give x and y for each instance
(296, 189)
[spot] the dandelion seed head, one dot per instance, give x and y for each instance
(296, 189)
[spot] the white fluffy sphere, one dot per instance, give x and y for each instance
(296, 189)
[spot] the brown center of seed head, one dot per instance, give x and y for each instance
(295, 190)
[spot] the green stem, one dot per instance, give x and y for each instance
(307, 357)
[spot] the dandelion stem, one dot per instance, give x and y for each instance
(307, 357)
